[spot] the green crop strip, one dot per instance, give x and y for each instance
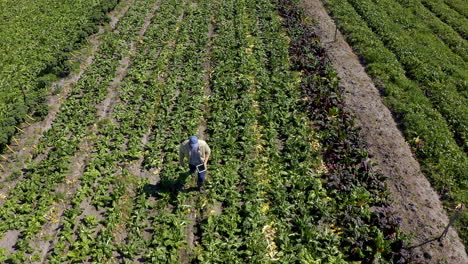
(424, 58)
(445, 13)
(459, 6)
(181, 119)
(37, 37)
(425, 129)
(446, 33)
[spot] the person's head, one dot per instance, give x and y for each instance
(193, 142)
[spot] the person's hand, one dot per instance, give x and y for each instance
(206, 164)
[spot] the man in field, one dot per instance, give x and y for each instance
(197, 153)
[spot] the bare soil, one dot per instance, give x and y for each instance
(410, 192)
(8, 240)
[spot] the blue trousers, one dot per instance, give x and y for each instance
(201, 175)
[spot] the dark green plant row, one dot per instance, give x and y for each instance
(459, 5)
(266, 174)
(417, 10)
(441, 159)
(31, 199)
(238, 166)
(424, 58)
(457, 21)
(351, 188)
(37, 39)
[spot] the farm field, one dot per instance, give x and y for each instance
(37, 37)
(416, 53)
(289, 180)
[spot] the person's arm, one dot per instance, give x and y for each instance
(181, 155)
(207, 155)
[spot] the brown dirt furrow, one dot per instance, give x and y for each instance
(186, 253)
(120, 12)
(9, 240)
(112, 99)
(207, 90)
(48, 236)
(24, 143)
(410, 192)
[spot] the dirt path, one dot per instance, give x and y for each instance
(107, 106)
(411, 194)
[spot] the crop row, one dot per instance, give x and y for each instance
(448, 35)
(112, 176)
(425, 129)
(170, 241)
(31, 199)
(424, 58)
(241, 172)
(456, 20)
(37, 38)
(267, 174)
(146, 207)
(459, 6)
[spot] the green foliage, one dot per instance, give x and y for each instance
(401, 51)
(281, 195)
(456, 20)
(37, 38)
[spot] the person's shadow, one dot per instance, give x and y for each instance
(169, 186)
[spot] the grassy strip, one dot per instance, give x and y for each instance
(443, 162)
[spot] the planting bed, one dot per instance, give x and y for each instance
(289, 179)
